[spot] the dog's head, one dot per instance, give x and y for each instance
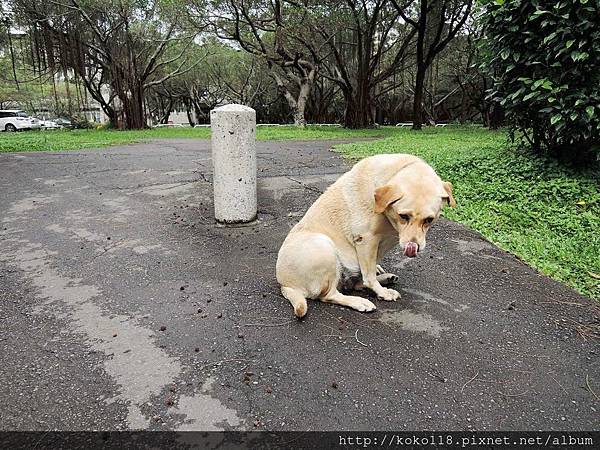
(412, 201)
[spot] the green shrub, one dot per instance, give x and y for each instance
(544, 57)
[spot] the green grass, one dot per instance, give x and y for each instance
(60, 140)
(544, 213)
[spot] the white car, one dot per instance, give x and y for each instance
(15, 120)
(48, 125)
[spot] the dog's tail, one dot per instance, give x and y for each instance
(297, 300)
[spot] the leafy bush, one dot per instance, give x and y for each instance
(544, 58)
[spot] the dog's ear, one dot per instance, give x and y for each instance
(447, 196)
(384, 196)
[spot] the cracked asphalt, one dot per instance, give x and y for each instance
(123, 306)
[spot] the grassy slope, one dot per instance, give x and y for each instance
(546, 214)
(59, 140)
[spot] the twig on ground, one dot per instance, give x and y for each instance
(561, 386)
(480, 380)
(468, 382)
(105, 251)
(585, 331)
(357, 340)
(341, 336)
(587, 383)
(269, 324)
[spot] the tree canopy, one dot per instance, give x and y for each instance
(356, 62)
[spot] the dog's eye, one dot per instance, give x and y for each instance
(428, 221)
(404, 217)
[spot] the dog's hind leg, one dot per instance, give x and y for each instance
(297, 300)
(306, 268)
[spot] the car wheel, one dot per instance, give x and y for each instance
(10, 127)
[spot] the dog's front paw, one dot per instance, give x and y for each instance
(389, 295)
(365, 305)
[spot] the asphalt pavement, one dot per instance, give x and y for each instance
(124, 306)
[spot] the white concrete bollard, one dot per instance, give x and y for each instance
(233, 143)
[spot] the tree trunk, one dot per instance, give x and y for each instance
(358, 112)
(299, 120)
(297, 104)
(68, 91)
(300, 107)
(165, 111)
(12, 57)
(359, 106)
(165, 116)
(496, 116)
(418, 98)
(133, 107)
(200, 116)
(110, 113)
(188, 111)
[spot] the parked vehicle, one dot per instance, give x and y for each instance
(16, 120)
(48, 125)
(169, 125)
(62, 122)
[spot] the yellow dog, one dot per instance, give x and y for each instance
(382, 201)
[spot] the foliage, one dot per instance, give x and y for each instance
(31, 92)
(119, 44)
(359, 66)
(356, 45)
(436, 23)
(546, 214)
(545, 61)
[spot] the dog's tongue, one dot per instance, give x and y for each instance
(410, 249)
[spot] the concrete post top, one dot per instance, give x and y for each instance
(234, 107)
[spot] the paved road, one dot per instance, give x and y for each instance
(123, 306)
